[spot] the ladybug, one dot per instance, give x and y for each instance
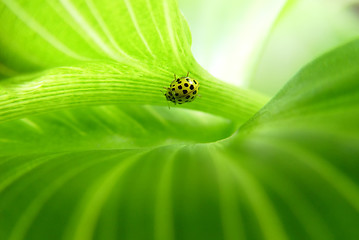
(182, 90)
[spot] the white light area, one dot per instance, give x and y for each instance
(302, 36)
(227, 35)
(236, 42)
(236, 54)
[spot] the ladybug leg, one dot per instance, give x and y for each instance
(163, 91)
(175, 76)
(187, 73)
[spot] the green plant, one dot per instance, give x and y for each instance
(89, 149)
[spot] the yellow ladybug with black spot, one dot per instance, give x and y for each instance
(182, 90)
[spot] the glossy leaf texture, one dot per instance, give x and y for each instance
(289, 173)
(57, 33)
(135, 171)
(89, 52)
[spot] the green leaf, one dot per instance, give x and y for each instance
(111, 127)
(137, 171)
(308, 136)
(50, 34)
(286, 174)
(102, 83)
(132, 49)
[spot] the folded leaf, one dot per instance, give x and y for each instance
(136, 171)
(289, 173)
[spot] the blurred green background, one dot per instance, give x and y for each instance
(261, 44)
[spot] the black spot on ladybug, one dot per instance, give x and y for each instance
(186, 101)
(173, 85)
(178, 79)
(179, 103)
(188, 96)
(191, 87)
(192, 97)
(179, 87)
(170, 93)
(180, 100)
(194, 81)
(176, 94)
(184, 91)
(194, 92)
(186, 84)
(187, 79)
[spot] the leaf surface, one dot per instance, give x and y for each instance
(127, 169)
